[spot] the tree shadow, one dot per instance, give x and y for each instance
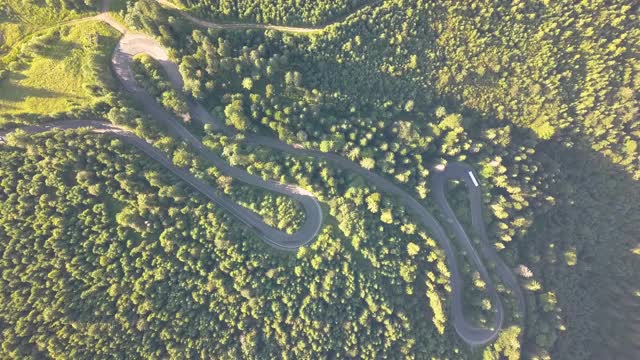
(13, 92)
(599, 223)
(57, 49)
(596, 217)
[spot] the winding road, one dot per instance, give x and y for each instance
(465, 173)
(132, 44)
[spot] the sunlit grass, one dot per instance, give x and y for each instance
(35, 13)
(20, 18)
(58, 71)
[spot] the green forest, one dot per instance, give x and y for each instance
(285, 12)
(107, 253)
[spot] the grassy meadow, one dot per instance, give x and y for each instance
(58, 70)
(21, 18)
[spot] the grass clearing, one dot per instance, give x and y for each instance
(20, 18)
(42, 13)
(60, 70)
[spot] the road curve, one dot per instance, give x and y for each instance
(472, 335)
(133, 44)
(466, 174)
(136, 43)
(270, 235)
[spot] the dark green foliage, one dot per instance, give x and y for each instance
(588, 268)
(67, 4)
(540, 97)
(273, 12)
(153, 79)
(150, 17)
(406, 86)
(116, 251)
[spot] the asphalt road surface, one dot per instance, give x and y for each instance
(466, 174)
(132, 44)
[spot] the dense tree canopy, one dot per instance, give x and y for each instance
(405, 86)
(105, 253)
(274, 12)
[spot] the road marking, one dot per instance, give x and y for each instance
(473, 178)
